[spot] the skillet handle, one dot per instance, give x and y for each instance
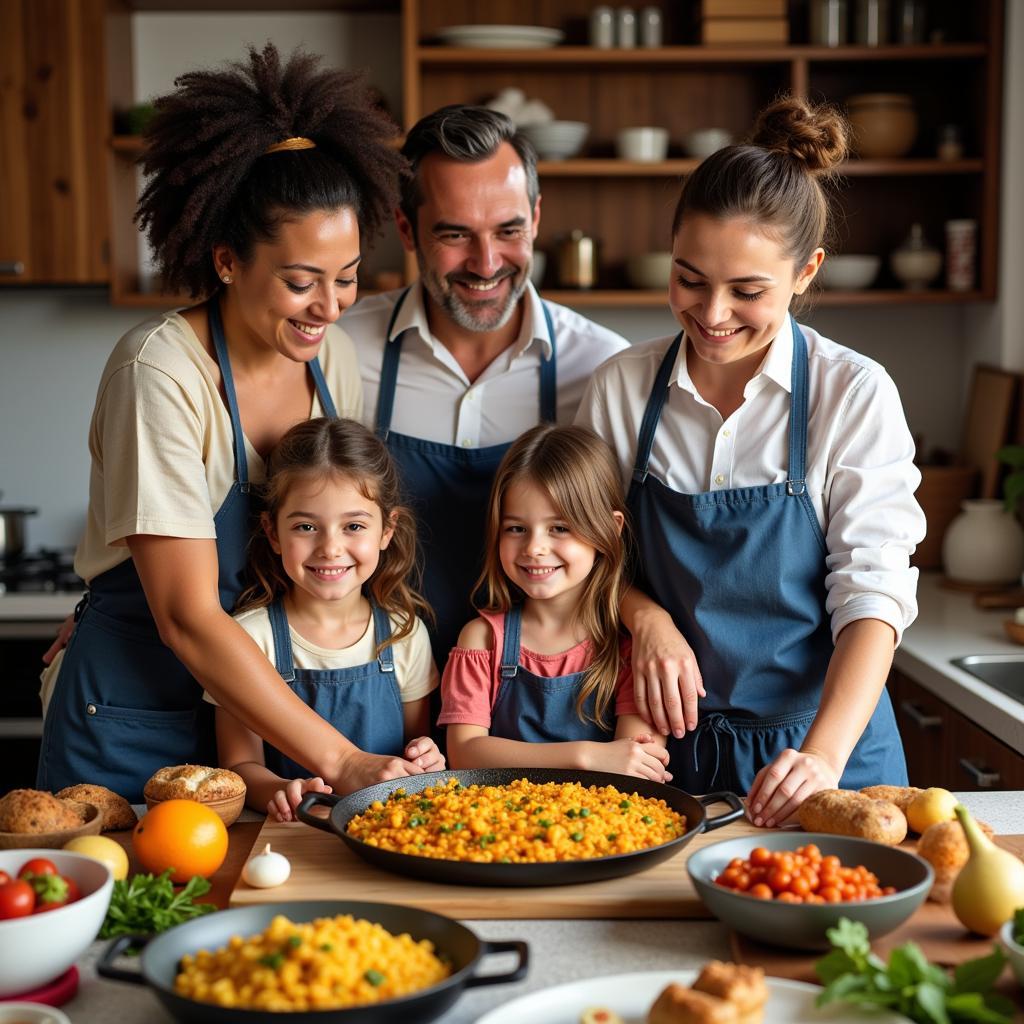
(500, 979)
(731, 799)
(311, 800)
(106, 969)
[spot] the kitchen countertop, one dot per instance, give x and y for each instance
(950, 626)
(560, 951)
(37, 607)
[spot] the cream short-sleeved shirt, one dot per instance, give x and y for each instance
(415, 671)
(161, 442)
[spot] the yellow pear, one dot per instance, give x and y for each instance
(929, 807)
(990, 885)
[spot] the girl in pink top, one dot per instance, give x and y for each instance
(542, 678)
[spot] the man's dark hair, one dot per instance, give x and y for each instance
(468, 134)
(212, 182)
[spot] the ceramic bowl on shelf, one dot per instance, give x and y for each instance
(556, 140)
(650, 270)
(884, 124)
(645, 144)
(916, 268)
(705, 141)
(803, 925)
(849, 272)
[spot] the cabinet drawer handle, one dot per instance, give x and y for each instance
(979, 776)
(14, 267)
(919, 716)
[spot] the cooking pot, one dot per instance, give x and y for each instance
(563, 872)
(161, 960)
(12, 531)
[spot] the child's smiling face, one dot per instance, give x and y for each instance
(538, 550)
(329, 536)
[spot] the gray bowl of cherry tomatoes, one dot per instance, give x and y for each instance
(49, 915)
(788, 888)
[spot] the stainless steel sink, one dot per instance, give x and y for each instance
(1003, 672)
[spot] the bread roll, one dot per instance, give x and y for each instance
(739, 984)
(193, 782)
(117, 812)
(901, 796)
(35, 811)
(678, 1004)
(843, 812)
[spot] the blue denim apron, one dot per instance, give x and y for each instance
(449, 487)
(123, 704)
(539, 709)
(361, 702)
(742, 572)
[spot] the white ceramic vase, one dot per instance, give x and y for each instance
(984, 544)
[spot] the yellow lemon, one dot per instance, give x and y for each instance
(106, 851)
(930, 807)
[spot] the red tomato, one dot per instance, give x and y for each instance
(37, 866)
(4, 878)
(17, 899)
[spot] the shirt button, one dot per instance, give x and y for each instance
(719, 479)
(90, 709)
(726, 433)
(470, 395)
(467, 442)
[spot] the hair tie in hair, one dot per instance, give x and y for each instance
(295, 142)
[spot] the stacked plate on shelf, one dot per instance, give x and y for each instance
(501, 37)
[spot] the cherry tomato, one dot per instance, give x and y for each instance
(17, 899)
(37, 866)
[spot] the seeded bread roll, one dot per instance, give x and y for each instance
(678, 1004)
(739, 984)
(117, 812)
(901, 796)
(193, 782)
(843, 812)
(34, 811)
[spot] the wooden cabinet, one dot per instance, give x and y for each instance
(944, 748)
(627, 207)
(54, 128)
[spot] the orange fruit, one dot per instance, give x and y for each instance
(183, 835)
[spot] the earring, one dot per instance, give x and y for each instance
(226, 279)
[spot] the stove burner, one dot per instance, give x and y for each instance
(45, 571)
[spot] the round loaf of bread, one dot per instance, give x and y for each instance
(36, 811)
(117, 812)
(194, 782)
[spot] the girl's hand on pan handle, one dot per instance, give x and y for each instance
(282, 804)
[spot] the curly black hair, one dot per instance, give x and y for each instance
(210, 182)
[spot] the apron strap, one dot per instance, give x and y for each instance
(381, 635)
(284, 661)
(220, 346)
(652, 414)
(322, 391)
(795, 485)
(548, 376)
(510, 648)
(389, 371)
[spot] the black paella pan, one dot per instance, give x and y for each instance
(595, 869)
(162, 955)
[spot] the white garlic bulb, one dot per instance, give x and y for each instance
(267, 869)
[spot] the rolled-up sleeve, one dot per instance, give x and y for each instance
(873, 520)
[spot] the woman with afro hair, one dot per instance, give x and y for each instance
(264, 178)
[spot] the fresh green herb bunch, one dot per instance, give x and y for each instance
(144, 904)
(908, 983)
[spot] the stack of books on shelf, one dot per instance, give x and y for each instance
(738, 22)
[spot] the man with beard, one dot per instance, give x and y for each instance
(459, 364)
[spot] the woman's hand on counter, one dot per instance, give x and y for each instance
(783, 785)
(63, 635)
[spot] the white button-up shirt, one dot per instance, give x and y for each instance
(435, 400)
(859, 474)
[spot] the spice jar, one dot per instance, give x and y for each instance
(625, 28)
(577, 261)
(650, 27)
(949, 146)
(602, 27)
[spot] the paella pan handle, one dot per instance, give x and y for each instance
(723, 819)
(311, 800)
(106, 969)
(519, 972)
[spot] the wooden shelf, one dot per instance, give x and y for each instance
(869, 297)
(605, 167)
(697, 55)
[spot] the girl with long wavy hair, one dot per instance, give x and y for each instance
(334, 608)
(542, 677)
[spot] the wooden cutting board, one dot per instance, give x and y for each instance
(323, 867)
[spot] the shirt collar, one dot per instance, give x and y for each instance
(777, 364)
(413, 314)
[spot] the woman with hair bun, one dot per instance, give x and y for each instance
(771, 489)
(265, 177)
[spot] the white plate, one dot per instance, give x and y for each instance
(631, 995)
(501, 37)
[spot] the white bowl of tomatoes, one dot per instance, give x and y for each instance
(49, 916)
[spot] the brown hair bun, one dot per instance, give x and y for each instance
(816, 135)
